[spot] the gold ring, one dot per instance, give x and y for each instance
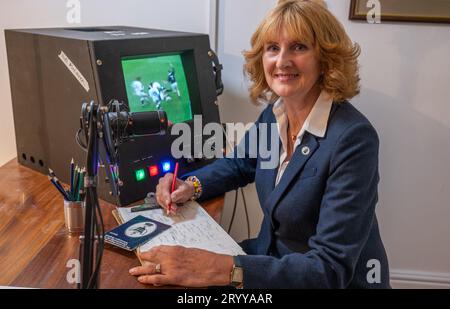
(158, 268)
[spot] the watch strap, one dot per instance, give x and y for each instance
(237, 273)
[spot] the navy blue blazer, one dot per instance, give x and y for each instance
(319, 228)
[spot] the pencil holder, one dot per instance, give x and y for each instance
(74, 213)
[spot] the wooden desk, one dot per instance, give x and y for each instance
(34, 245)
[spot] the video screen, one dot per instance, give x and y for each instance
(157, 83)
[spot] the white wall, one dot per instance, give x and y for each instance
(236, 22)
(405, 71)
(182, 15)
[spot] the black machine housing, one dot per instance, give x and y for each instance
(47, 97)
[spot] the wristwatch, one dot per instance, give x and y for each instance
(237, 274)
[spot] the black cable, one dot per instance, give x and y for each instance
(217, 68)
(102, 225)
(89, 233)
(234, 211)
(93, 201)
(100, 229)
(78, 140)
(80, 254)
(92, 279)
(233, 215)
(236, 196)
(98, 251)
(246, 212)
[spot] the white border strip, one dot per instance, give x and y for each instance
(420, 276)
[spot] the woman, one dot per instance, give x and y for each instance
(319, 228)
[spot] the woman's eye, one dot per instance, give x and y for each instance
(300, 47)
(272, 47)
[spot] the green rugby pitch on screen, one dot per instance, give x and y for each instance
(157, 82)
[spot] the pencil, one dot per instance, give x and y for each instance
(58, 183)
(51, 173)
(59, 188)
(83, 173)
(174, 181)
(72, 172)
(80, 183)
(73, 189)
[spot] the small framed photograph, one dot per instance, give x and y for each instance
(433, 11)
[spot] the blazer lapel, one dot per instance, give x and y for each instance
(301, 155)
(265, 182)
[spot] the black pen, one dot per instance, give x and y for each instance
(145, 207)
(72, 174)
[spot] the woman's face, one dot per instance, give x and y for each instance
(291, 68)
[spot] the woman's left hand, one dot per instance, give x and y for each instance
(189, 267)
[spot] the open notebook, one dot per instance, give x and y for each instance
(192, 227)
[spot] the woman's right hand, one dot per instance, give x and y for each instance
(182, 193)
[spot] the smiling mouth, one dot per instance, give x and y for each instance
(286, 77)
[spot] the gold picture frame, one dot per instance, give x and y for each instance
(431, 11)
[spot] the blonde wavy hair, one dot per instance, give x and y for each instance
(306, 21)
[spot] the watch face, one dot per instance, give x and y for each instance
(238, 275)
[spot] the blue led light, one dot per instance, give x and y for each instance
(166, 166)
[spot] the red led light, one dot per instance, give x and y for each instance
(153, 170)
